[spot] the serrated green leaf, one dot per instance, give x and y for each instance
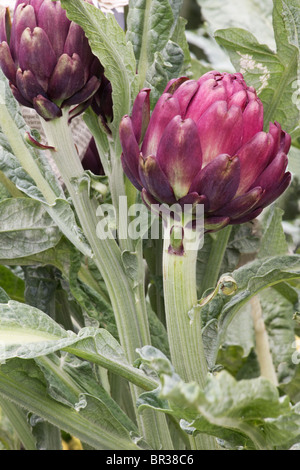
(46, 435)
(92, 300)
(291, 387)
(149, 24)
(166, 65)
(41, 283)
(157, 34)
(131, 265)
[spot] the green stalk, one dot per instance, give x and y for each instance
(22, 153)
(132, 327)
(60, 415)
(215, 258)
(18, 419)
(185, 336)
(186, 348)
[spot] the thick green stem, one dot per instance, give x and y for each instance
(186, 348)
(22, 153)
(215, 259)
(185, 336)
(132, 327)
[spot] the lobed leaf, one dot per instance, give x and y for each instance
(246, 414)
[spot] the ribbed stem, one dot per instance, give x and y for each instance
(186, 348)
(185, 337)
(132, 328)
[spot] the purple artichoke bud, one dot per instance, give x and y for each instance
(47, 58)
(204, 144)
(101, 103)
(91, 159)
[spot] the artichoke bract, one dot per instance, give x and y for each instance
(204, 144)
(47, 58)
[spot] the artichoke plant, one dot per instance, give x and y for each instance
(205, 144)
(47, 58)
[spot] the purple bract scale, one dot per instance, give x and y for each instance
(204, 144)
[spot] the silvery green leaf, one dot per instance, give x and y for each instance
(46, 435)
(166, 65)
(294, 161)
(247, 414)
(27, 332)
(31, 233)
(70, 379)
(41, 283)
